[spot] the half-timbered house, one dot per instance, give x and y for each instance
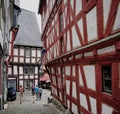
(23, 67)
(82, 38)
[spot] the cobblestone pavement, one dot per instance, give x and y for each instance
(28, 107)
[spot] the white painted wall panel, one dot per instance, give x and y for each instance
(93, 105)
(33, 53)
(74, 94)
(20, 70)
(80, 78)
(75, 38)
(80, 25)
(27, 60)
(15, 71)
(20, 77)
(33, 60)
(74, 109)
(21, 52)
(36, 70)
(9, 70)
(15, 51)
(15, 59)
(38, 53)
(73, 69)
(21, 59)
(67, 70)
(106, 10)
(117, 20)
(68, 41)
(68, 104)
(106, 109)
(21, 82)
(83, 101)
(68, 87)
(89, 71)
(65, 1)
(91, 18)
(78, 6)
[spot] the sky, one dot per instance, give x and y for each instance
(31, 5)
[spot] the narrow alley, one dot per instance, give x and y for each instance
(27, 107)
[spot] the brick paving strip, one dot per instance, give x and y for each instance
(28, 107)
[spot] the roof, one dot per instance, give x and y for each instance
(29, 31)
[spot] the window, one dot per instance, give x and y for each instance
(27, 52)
(60, 21)
(61, 45)
(28, 70)
(107, 79)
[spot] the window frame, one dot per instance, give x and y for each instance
(106, 78)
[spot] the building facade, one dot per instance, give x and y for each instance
(82, 39)
(24, 66)
(9, 12)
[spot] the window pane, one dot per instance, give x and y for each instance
(27, 52)
(107, 76)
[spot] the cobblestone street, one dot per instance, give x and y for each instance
(28, 107)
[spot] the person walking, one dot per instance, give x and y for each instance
(21, 93)
(33, 93)
(40, 92)
(37, 92)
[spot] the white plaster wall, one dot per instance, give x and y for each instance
(73, 69)
(31, 77)
(68, 87)
(54, 50)
(65, 1)
(91, 18)
(106, 10)
(21, 59)
(9, 70)
(74, 109)
(78, 6)
(36, 70)
(26, 77)
(20, 77)
(75, 38)
(59, 70)
(21, 82)
(83, 101)
(60, 96)
(20, 70)
(80, 78)
(15, 71)
(15, 59)
(68, 104)
(36, 82)
(27, 60)
(80, 25)
(93, 105)
(74, 90)
(38, 53)
(21, 52)
(59, 82)
(89, 71)
(68, 41)
(117, 20)
(106, 109)
(15, 51)
(67, 70)
(33, 53)
(33, 60)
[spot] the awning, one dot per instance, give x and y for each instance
(45, 77)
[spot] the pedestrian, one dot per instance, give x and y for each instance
(33, 93)
(40, 92)
(21, 93)
(33, 90)
(37, 92)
